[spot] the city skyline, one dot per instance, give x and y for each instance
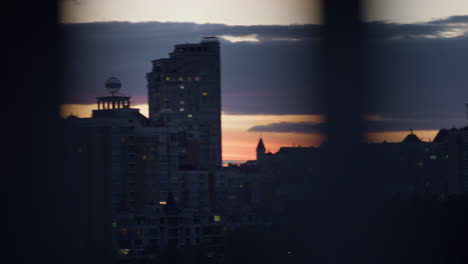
(256, 91)
(126, 186)
(269, 71)
(242, 148)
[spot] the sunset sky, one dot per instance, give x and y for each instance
(269, 63)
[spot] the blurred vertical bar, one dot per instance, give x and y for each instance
(343, 93)
(38, 212)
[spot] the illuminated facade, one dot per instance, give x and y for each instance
(184, 91)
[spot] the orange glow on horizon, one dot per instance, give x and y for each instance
(238, 144)
(85, 110)
(398, 136)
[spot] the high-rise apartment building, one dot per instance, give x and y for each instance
(136, 180)
(184, 91)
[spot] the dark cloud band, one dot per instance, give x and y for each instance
(389, 125)
(410, 68)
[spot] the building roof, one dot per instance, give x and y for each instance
(441, 135)
(71, 117)
(411, 138)
(260, 145)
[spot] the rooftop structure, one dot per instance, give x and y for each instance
(113, 101)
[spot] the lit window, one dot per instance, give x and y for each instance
(189, 79)
(217, 218)
(181, 86)
(189, 116)
(181, 79)
(114, 224)
(432, 157)
(420, 164)
(197, 78)
(181, 109)
(205, 94)
(241, 185)
(181, 102)
(144, 157)
(162, 202)
(168, 78)
(123, 251)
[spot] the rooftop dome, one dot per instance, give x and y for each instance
(113, 85)
(411, 138)
(72, 116)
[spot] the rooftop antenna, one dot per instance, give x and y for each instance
(411, 131)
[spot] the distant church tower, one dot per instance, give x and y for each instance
(260, 151)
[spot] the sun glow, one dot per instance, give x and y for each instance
(239, 144)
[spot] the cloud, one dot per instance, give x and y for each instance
(374, 123)
(289, 127)
(246, 38)
(391, 125)
(276, 69)
(455, 26)
(450, 20)
(414, 72)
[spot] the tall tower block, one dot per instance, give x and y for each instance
(185, 91)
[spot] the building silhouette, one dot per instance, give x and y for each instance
(453, 146)
(145, 187)
(260, 151)
(184, 91)
(410, 169)
(124, 163)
